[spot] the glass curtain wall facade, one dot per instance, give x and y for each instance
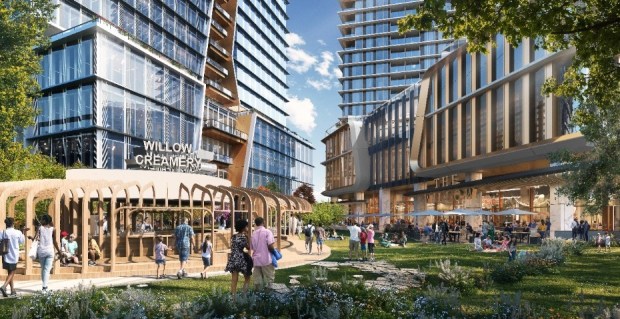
(109, 84)
(277, 154)
(378, 62)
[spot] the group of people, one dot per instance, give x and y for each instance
(47, 250)
(580, 229)
(505, 243)
(361, 242)
(258, 265)
(310, 234)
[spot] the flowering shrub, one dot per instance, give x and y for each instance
(575, 248)
(552, 249)
(438, 302)
(454, 275)
(510, 272)
(79, 303)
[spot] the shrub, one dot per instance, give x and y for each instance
(438, 302)
(536, 265)
(454, 275)
(138, 303)
(509, 273)
(553, 250)
(512, 307)
(79, 303)
(575, 248)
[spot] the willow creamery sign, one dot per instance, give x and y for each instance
(177, 157)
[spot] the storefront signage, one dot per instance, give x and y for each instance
(175, 157)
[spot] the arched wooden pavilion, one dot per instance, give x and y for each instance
(82, 207)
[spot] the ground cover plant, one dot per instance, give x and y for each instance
(583, 285)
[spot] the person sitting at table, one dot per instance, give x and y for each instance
(469, 229)
(453, 233)
(542, 228)
(508, 229)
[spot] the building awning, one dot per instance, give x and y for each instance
(544, 176)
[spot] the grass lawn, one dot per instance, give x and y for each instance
(588, 280)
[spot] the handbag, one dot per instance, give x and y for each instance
(33, 250)
(4, 244)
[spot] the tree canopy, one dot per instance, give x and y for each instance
(592, 27)
(306, 192)
(325, 213)
(22, 28)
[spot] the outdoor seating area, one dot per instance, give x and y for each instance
(118, 215)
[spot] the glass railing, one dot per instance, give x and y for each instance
(223, 12)
(222, 158)
(405, 54)
(217, 65)
(219, 27)
(219, 87)
(225, 128)
(404, 68)
(218, 46)
(410, 40)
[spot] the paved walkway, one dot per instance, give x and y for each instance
(292, 256)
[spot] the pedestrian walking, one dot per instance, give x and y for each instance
(183, 235)
(262, 246)
(9, 260)
(239, 261)
(206, 248)
(45, 250)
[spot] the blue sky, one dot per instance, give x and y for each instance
(314, 73)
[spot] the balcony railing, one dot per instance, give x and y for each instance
(222, 158)
(225, 128)
(217, 66)
(219, 27)
(218, 46)
(219, 87)
(223, 12)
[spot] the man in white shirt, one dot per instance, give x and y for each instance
(9, 260)
(574, 226)
(354, 240)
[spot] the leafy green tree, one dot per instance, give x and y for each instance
(306, 192)
(325, 213)
(273, 187)
(22, 28)
(592, 27)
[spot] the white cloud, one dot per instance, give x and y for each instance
(302, 113)
(338, 72)
(321, 42)
(294, 39)
(323, 84)
(323, 68)
(300, 61)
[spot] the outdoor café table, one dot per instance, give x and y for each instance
(455, 235)
(521, 235)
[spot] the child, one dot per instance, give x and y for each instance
(477, 243)
(206, 248)
(599, 242)
(160, 256)
(363, 239)
(607, 242)
(512, 249)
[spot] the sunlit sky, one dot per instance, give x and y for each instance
(313, 80)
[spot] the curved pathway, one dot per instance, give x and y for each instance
(293, 255)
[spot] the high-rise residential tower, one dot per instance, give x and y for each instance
(377, 61)
(368, 171)
(205, 74)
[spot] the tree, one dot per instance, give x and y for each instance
(273, 187)
(22, 28)
(325, 213)
(306, 192)
(592, 27)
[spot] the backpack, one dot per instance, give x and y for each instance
(308, 231)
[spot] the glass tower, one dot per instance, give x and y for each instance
(207, 73)
(377, 61)
(277, 154)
